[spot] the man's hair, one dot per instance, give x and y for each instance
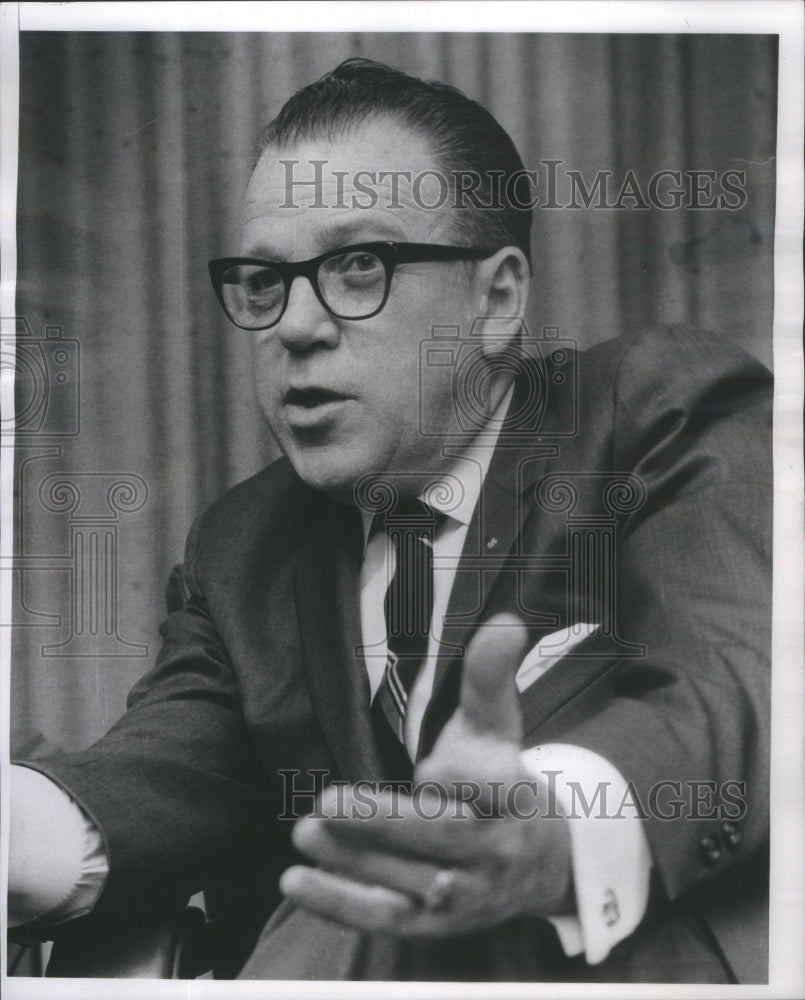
(462, 133)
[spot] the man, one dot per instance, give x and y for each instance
(533, 581)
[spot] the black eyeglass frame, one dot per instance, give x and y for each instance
(389, 253)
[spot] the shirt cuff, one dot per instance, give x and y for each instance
(57, 861)
(609, 848)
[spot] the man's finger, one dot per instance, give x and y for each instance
(488, 691)
(427, 825)
(371, 907)
(413, 877)
(379, 910)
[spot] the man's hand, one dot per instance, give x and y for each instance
(477, 843)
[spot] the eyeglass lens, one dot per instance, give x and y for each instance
(352, 285)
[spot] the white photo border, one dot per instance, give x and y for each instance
(782, 17)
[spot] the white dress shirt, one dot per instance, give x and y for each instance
(57, 853)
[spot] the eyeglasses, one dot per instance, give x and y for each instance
(351, 282)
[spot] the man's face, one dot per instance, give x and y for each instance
(343, 397)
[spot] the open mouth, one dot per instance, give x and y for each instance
(314, 410)
(312, 397)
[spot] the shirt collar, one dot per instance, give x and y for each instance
(441, 494)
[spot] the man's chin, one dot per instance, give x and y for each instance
(331, 474)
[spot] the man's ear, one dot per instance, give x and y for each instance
(502, 282)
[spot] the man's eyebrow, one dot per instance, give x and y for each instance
(338, 234)
(262, 251)
(363, 230)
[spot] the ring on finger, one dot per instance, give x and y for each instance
(441, 891)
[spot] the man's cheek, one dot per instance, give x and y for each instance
(270, 413)
(269, 397)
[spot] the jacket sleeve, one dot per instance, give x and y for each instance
(172, 785)
(687, 723)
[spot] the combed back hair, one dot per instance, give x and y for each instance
(462, 133)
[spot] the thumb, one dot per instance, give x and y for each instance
(488, 697)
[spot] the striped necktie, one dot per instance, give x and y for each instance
(408, 606)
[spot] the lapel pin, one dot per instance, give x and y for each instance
(491, 542)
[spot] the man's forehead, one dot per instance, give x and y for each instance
(377, 174)
(373, 146)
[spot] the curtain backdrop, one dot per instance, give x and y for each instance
(135, 395)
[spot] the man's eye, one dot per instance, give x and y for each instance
(263, 288)
(355, 265)
(365, 262)
(262, 281)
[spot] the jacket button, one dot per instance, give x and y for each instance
(709, 851)
(730, 834)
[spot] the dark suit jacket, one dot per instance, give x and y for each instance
(257, 674)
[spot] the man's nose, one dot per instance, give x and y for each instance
(306, 322)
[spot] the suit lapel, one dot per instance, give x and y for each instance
(487, 578)
(493, 538)
(494, 534)
(327, 596)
